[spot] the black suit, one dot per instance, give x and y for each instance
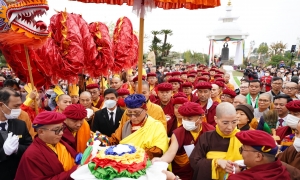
(102, 123)
(9, 164)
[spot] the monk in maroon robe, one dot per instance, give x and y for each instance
(98, 100)
(185, 135)
(208, 105)
(165, 99)
(48, 157)
(259, 151)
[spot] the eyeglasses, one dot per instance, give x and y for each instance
(226, 96)
(243, 87)
(93, 92)
(290, 88)
(135, 115)
(56, 131)
(241, 150)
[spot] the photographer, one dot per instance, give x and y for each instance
(250, 74)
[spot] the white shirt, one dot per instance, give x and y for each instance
(253, 101)
(6, 125)
(283, 123)
(114, 115)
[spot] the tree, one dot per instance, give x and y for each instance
(275, 60)
(263, 50)
(277, 48)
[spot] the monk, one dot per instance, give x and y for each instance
(215, 92)
(152, 80)
(97, 99)
(153, 110)
(204, 99)
(187, 88)
(62, 102)
(176, 84)
(142, 130)
(48, 157)
(216, 150)
(77, 131)
(227, 83)
(165, 100)
(258, 151)
(228, 95)
(186, 135)
(122, 94)
(183, 76)
(85, 99)
(74, 93)
(29, 105)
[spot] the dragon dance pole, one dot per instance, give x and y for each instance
(30, 77)
(140, 63)
(102, 85)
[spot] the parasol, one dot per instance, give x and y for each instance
(140, 7)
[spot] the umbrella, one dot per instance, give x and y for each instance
(141, 6)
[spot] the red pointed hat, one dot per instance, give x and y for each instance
(218, 75)
(151, 74)
(203, 85)
(176, 73)
(293, 106)
(191, 75)
(259, 140)
(168, 74)
(202, 78)
(92, 86)
(179, 94)
(187, 84)
(75, 112)
(193, 72)
(180, 100)
(229, 92)
(174, 79)
(164, 87)
(220, 79)
(190, 109)
(205, 73)
(184, 72)
(219, 83)
(123, 92)
(48, 117)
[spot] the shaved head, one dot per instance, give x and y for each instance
(225, 108)
(86, 93)
(62, 96)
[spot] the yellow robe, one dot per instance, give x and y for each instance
(25, 117)
(230, 86)
(150, 135)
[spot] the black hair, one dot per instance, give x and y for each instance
(109, 91)
(10, 83)
(254, 81)
(5, 94)
(276, 79)
(284, 96)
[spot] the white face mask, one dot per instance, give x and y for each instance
(296, 144)
(292, 121)
(267, 74)
(189, 125)
(64, 86)
(295, 73)
(110, 103)
(14, 113)
(282, 71)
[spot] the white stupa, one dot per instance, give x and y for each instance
(229, 27)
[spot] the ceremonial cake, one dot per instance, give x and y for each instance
(121, 161)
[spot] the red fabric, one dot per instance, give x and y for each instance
(220, 79)
(184, 72)
(229, 92)
(266, 80)
(135, 79)
(75, 112)
(218, 76)
(168, 109)
(293, 106)
(168, 74)
(180, 100)
(16, 58)
(151, 75)
(219, 83)
(104, 60)
(122, 92)
(203, 85)
(48, 117)
(185, 138)
(201, 78)
(179, 94)
(256, 138)
(40, 162)
(282, 132)
(209, 113)
(171, 125)
(30, 111)
(269, 171)
(164, 87)
(187, 84)
(92, 86)
(176, 73)
(125, 45)
(174, 79)
(205, 73)
(191, 75)
(190, 109)
(133, 167)
(100, 101)
(69, 138)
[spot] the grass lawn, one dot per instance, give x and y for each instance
(236, 73)
(236, 79)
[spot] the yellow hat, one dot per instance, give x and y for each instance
(28, 89)
(73, 90)
(58, 91)
(129, 71)
(90, 81)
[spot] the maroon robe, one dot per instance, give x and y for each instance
(290, 156)
(172, 125)
(168, 109)
(282, 132)
(210, 113)
(100, 101)
(185, 138)
(40, 162)
(269, 171)
(69, 138)
(208, 141)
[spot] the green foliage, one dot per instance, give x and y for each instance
(275, 60)
(263, 48)
(195, 57)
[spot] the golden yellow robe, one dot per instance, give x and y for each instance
(25, 117)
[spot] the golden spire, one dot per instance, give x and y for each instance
(229, 3)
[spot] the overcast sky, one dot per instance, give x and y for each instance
(265, 21)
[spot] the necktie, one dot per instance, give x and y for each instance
(280, 122)
(111, 119)
(2, 125)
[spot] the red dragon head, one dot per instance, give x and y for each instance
(20, 16)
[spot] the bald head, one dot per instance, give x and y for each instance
(239, 99)
(63, 101)
(86, 93)
(225, 109)
(85, 99)
(62, 96)
(116, 82)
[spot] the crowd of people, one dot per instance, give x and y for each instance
(189, 116)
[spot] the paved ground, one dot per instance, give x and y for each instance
(235, 76)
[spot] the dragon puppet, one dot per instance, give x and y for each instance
(19, 29)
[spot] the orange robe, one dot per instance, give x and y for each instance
(230, 86)
(25, 117)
